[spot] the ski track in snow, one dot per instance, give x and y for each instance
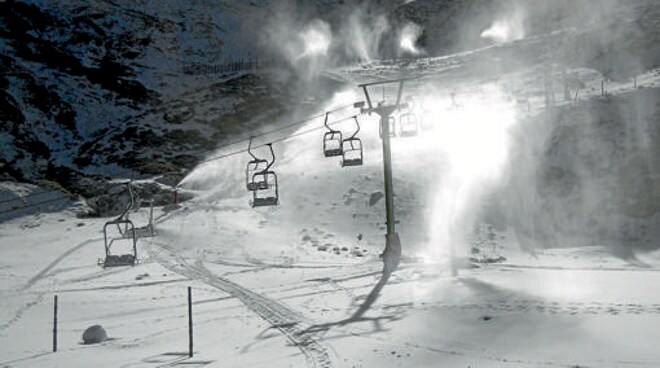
(290, 323)
(18, 314)
(54, 263)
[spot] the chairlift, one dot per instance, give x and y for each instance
(266, 192)
(116, 260)
(136, 203)
(256, 165)
(332, 140)
(392, 123)
(352, 149)
(126, 230)
(408, 125)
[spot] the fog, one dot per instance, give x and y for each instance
(583, 168)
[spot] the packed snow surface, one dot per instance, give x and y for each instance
(279, 286)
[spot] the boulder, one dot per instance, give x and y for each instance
(94, 335)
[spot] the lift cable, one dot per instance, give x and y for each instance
(219, 157)
(241, 140)
(282, 139)
(34, 204)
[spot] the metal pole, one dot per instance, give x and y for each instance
(387, 170)
(55, 324)
(392, 253)
(190, 323)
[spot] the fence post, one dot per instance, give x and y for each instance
(190, 323)
(55, 324)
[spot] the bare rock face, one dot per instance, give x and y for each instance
(94, 335)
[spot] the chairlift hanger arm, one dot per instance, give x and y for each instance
(358, 127)
(250, 149)
(130, 205)
(272, 153)
(325, 121)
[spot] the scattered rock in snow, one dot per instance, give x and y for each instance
(375, 197)
(94, 335)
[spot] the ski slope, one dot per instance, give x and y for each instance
(574, 307)
(278, 286)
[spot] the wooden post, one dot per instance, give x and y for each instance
(190, 323)
(175, 196)
(55, 324)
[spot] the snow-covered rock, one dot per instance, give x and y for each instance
(94, 334)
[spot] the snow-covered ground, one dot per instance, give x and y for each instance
(258, 303)
(279, 286)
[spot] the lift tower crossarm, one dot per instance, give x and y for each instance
(398, 97)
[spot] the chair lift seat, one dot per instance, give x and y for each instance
(407, 125)
(140, 232)
(352, 152)
(115, 260)
(268, 196)
(332, 142)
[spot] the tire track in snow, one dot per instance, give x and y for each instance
(292, 324)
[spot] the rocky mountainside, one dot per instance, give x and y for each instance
(93, 90)
(102, 89)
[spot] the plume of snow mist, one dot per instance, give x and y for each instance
(302, 44)
(506, 29)
(408, 39)
(472, 142)
(316, 38)
(361, 34)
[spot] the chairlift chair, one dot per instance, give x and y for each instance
(352, 149)
(268, 196)
(267, 191)
(116, 260)
(135, 205)
(256, 165)
(408, 125)
(332, 141)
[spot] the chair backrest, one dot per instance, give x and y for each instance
(254, 166)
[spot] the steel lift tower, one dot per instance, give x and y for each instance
(392, 254)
